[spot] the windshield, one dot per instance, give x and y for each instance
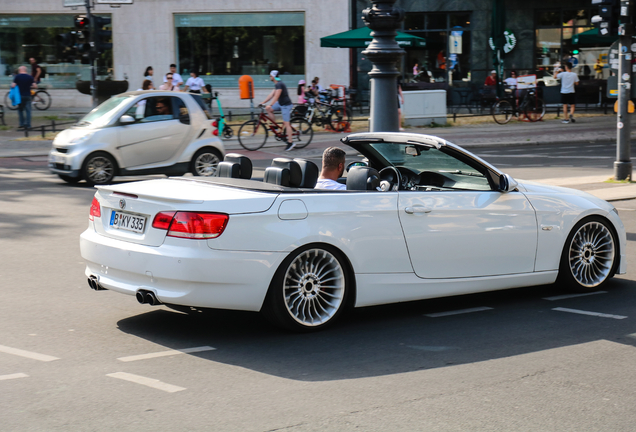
(424, 159)
(102, 115)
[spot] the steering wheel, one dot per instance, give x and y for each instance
(390, 179)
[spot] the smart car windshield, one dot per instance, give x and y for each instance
(102, 115)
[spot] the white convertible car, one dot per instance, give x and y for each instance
(421, 218)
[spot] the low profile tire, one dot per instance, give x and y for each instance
(68, 179)
(205, 162)
(590, 256)
(309, 290)
(99, 168)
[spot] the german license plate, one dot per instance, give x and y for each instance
(127, 221)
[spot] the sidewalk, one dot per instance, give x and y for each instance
(551, 132)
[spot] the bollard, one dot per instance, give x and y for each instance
(43, 130)
(229, 115)
(53, 125)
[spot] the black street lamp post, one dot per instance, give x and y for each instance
(384, 52)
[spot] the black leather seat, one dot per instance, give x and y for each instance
(235, 166)
(363, 178)
(284, 172)
(310, 173)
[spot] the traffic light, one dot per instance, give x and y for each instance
(607, 19)
(102, 37)
(83, 34)
(66, 40)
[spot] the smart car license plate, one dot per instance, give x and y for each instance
(128, 221)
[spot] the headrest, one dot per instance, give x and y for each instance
(363, 178)
(276, 175)
(309, 173)
(245, 164)
(295, 173)
(228, 169)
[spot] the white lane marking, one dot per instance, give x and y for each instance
(567, 296)
(433, 348)
(27, 354)
(165, 353)
(457, 312)
(149, 382)
(597, 314)
(13, 376)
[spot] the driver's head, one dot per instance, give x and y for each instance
(333, 163)
(162, 107)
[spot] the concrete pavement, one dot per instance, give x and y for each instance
(550, 132)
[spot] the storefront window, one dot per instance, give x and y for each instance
(223, 47)
(26, 36)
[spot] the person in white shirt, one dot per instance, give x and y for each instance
(511, 81)
(333, 166)
(195, 83)
(176, 78)
(568, 80)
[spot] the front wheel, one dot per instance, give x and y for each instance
(590, 255)
(41, 100)
(227, 132)
(205, 162)
(252, 135)
(99, 168)
(534, 109)
(8, 103)
(309, 290)
(340, 119)
(502, 111)
(302, 132)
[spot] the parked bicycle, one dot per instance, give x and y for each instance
(40, 99)
(332, 115)
(253, 134)
(530, 105)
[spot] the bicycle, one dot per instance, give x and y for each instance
(332, 115)
(40, 99)
(253, 134)
(531, 105)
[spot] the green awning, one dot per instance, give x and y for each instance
(592, 37)
(361, 38)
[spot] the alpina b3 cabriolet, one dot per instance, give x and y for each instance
(420, 218)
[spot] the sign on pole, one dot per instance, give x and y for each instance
(74, 3)
(118, 2)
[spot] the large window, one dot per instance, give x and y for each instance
(26, 36)
(222, 47)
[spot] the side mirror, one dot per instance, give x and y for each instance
(126, 119)
(507, 183)
(352, 164)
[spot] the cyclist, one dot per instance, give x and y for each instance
(280, 101)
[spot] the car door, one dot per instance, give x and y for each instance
(155, 136)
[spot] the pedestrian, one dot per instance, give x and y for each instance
(416, 69)
(147, 85)
(176, 78)
(511, 81)
(25, 82)
(194, 84)
(568, 96)
(36, 71)
(400, 102)
(148, 73)
(491, 80)
(301, 92)
(169, 83)
(280, 101)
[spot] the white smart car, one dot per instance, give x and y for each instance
(139, 133)
(423, 218)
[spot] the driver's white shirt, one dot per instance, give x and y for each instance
(329, 184)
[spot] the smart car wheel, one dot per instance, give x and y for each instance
(309, 290)
(590, 255)
(205, 162)
(99, 168)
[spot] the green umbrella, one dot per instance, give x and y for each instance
(592, 37)
(361, 38)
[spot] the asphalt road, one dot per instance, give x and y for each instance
(72, 359)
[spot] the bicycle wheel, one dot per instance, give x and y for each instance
(41, 100)
(8, 104)
(302, 132)
(502, 112)
(340, 120)
(252, 135)
(534, 110)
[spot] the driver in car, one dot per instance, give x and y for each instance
(333, 166)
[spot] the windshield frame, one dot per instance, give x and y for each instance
(104, 113)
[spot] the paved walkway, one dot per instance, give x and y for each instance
(586, 129)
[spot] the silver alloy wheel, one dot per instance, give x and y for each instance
(314, 287)
(591, 254)
(206, 164)
(100, 169)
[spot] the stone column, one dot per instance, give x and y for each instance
(384, 52)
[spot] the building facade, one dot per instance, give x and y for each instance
(218, 39)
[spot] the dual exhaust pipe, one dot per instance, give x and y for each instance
(143, 296)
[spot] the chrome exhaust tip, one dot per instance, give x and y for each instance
(152, 299)
(141, 297)
(93, 282)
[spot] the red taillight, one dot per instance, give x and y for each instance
(96, 210)
(191, 225)
(215, 132)
(215, 123)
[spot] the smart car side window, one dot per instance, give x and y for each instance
(158, 109)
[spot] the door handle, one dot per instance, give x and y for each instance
(417, 209)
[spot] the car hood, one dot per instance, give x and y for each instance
(65, 137)
(533, 187)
